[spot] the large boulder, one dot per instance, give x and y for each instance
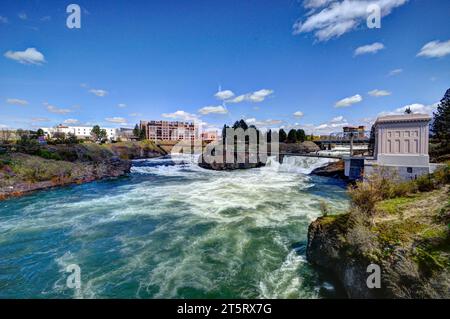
(299, 148)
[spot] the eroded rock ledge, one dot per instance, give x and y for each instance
(411, 248)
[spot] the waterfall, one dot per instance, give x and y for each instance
(297, 164)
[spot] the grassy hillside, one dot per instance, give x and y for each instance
(402, 226)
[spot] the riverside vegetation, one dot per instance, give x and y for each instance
(404, 227)
(26, 167)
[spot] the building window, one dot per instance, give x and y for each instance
(409, 170)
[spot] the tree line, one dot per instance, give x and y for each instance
(294, 136)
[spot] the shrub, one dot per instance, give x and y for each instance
(442, 175)
(376, 187)
(324, 208)
(425, 183)
(48, 155)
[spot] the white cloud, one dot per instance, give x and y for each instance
(378, 93)
(56, 110)
(29, 56)
(260, 95)
(3, 19)
(182, 115)
(71, 121)
(46, 18)
(255, 97)
(121, 105)
(435, 49)
(224, 95)
(237, 99)
(16, 102)
(263, 123)
(349, 101)
(336, 18)
(416, 108)
(370, 48)
(298, 114)
(100, 93)
(22, 16)
(136, 114)
(332, 126)
(213, 110)
(395, 72)
(314, 4)
(116, 120)
(40, 119)
(338, 119)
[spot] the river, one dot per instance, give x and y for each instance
(170, 230)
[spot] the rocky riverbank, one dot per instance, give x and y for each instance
(408, 238)
(24, 170)
(332, 169)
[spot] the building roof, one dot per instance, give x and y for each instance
(403, 118)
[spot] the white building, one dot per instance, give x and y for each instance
(81, 132)
(401, 144)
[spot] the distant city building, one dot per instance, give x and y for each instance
(210, 136)
(357, 131)
(401, 144)
(127, 134)
(169, 130)
(81, 132)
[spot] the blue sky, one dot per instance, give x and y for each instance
(280, 63)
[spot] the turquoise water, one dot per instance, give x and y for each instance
(170, 230)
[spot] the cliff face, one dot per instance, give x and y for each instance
(411, 246)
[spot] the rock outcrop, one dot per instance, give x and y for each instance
(332, 169)
(299, 148)
(240, 161)
(412, 250)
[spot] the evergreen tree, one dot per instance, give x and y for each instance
(269, 136)
(40, 132)
(282, 135)
(292, 136)
(441, 123)
(137, 131)
(371, 146)
(224, 132)
(142, 134)
(301, 135)
(408, 110)
(240, 124)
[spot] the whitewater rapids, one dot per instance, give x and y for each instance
(170, 230)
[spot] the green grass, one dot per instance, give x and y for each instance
(398, 233)
(396, 205)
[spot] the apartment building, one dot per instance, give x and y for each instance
(81, 132)
(169, 130)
